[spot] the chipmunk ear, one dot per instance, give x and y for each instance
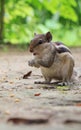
(35, 34)
(48, 36)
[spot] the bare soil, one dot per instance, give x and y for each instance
(25, 105)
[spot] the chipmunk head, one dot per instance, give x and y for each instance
(40, 39)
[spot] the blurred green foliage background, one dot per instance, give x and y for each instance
(24, 17)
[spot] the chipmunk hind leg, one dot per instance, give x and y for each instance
(47, 81)
(67, 71)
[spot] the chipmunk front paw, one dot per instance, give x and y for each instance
(31, 63)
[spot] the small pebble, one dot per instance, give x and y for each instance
(17, 100)
(7, 112)
(12, 95)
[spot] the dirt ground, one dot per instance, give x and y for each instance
(25, 105)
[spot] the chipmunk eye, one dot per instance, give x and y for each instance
(40, 41)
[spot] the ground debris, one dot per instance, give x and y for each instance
(71, 121)
(17, 100)
(7, 112)
(21, 120)
(12, 95)
(78, 104)
(37, 94)
(27, 75)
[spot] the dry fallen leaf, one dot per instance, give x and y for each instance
(37, 94)
(27, 75)
(78, 104)
(4, 78)
(71, 121)
(18, 120)
(11, 82)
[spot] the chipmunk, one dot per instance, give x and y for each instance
(53, 58)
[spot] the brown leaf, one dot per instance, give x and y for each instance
(27, 75)
(37, 94)
(18, 120)
(11, 82)
(71, 121)
(78, 104)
